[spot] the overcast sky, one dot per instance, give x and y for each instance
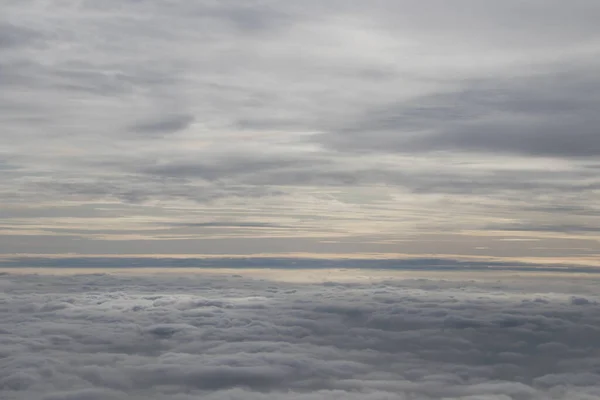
(464, 128)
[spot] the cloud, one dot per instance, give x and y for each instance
(224, 224)
(14, 36)
(533, 227)
(229, 166)
(169, 124)
(89, 394)
(293, 263)
(363, 125)
(122, 336)
(549, 114)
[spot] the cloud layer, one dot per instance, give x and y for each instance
(332, 334)
(270, 126)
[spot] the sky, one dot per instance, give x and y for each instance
(465, 129)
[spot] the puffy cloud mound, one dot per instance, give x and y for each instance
(232, 337)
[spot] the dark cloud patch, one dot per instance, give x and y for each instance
(86, 394)
(541, 227)
(235, 166)
(225, 224)
(549, 115)
(453, 179)
(117, 337)
(458, 177)
(167, 124)
(73, 211)
(253, 18)
(565, 209)
(567, 137)
(132, 189)
(16, 36)
(7, 166)
(293, 263)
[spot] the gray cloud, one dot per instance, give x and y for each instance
(535, 227)
(225, 224)
(549, 115)
(422, 264)
(230, 166)
(102, 336)
(363, 124)
(169, 124)
(15, 36)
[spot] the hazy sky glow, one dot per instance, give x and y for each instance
(465, 128)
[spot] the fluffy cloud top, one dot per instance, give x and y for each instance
(386, 336)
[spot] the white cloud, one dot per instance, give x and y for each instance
(143, 336)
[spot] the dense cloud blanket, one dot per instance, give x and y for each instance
(234, 337)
